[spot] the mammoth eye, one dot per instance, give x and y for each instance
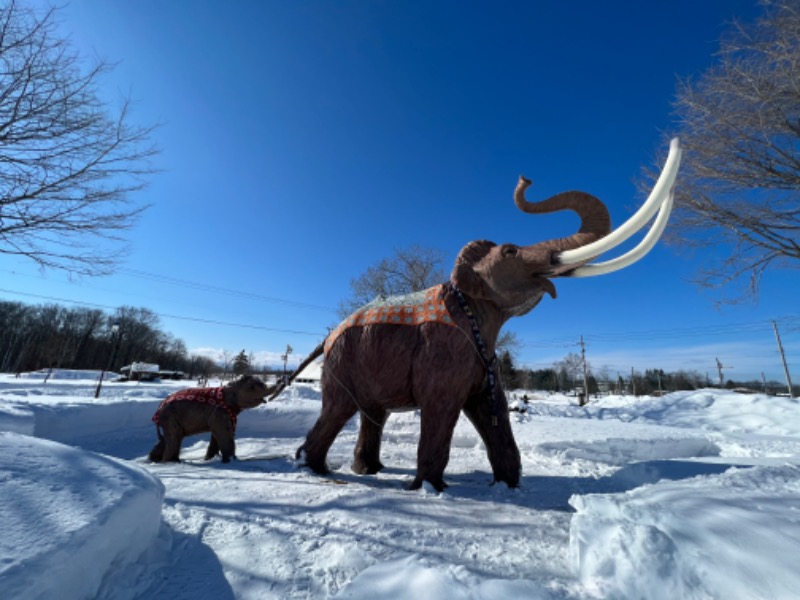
(508, 250)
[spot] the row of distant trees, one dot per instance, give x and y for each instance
(51, 336)
(566, 375)
(47, 336)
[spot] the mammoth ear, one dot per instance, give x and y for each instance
(464, 276)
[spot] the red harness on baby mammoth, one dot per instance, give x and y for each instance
(213, 396)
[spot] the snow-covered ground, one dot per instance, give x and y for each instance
(692, 495)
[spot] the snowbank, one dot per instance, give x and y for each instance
(69, 516)
(732, 536)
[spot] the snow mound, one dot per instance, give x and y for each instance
(416, 577)
(730, 536)
(69, 517)
(622, 451)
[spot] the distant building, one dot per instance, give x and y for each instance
(171, 375)
(312, 373)
(139, 371)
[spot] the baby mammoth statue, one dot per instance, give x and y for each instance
(199, 410)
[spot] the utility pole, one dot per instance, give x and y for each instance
(764, 380)
(585, 378)
(720, 366)
(633, 383)
(285, 358)
(115, 342)
(783, 359)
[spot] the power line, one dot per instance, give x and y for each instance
(632, 336)
(167, 316)
(204, 287)
(185, 283)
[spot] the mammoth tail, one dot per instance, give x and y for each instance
(315, 354)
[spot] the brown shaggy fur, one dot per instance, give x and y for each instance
(179, 419)
(380, 368)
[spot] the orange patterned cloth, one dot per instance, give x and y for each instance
(426, 306)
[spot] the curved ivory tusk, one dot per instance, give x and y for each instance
(658, 196)
(630, 257)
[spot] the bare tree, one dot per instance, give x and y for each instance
(572, 365)
(68, 162)
(507, 342)
(739, 124)
(409, 270)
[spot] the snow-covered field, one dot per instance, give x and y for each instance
(693, 495)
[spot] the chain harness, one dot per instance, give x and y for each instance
(488, 363)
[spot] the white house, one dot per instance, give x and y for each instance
(312, 373)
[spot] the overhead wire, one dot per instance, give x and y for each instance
(166, 315)
(221, 290)
(647, 334)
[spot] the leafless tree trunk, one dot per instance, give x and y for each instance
(68, 162)
(739, 124)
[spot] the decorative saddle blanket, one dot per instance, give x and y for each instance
(427, 306)
(213, 396)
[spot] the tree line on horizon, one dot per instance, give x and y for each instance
(46, 336)
(566, 376)
(51, 336)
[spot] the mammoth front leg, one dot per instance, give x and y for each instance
(368, 447)
(433, 452)
(499, 439)
(222, 434)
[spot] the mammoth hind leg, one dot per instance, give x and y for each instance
(172, 448)
(366, 459)
(157, 453)
(213, 448)
(336, 413)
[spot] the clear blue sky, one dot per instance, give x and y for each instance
(305, 141)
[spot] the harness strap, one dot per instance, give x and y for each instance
(488, 363)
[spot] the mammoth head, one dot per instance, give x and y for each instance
(248, 391)
(515, 278)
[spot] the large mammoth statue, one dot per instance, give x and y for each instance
(435, 350)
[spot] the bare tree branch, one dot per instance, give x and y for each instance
(739, 124)
(68, 162)
(409, 270)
